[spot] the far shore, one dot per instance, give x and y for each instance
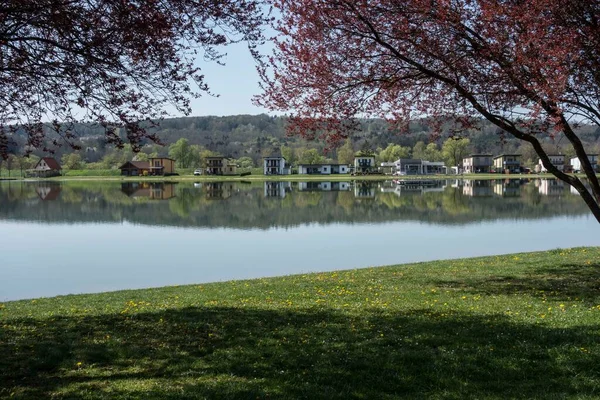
(260, 178)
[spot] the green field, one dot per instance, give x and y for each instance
(514, 326)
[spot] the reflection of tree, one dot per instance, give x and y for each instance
(453, 202)
(246, 206)
(307, 199)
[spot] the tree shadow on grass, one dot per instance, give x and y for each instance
(225, 353)
(561, 283)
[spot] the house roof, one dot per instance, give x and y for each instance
(321, 165)
(51, 162)
(136, 164)
(162, 158)
(479, 155)
(507, 155)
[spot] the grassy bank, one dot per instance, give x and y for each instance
(514, 326)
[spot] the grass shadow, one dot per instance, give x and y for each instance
(565, 282)
(231, 353)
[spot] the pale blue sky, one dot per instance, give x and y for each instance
(236, 83)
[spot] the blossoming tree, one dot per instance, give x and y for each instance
(531, 67)
(114, 62)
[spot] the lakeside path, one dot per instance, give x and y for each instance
(512, 326)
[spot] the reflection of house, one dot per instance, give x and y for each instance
(322, 169)
(45, 168)
(220, 166)
(477, 188)
(477, 164)
(48, 191)
(364, 164)
(558, 160)
(508, 188)
(161, 166)
(277, 189)
(409, 166)
(218, 190)
(275, 166)
(364, 191)
(551, 187)
(510, 163)
(576, 163)
(419, 186)
(323, 186)
(150, 190)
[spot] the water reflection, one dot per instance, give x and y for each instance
(128, 235)
(242, 205)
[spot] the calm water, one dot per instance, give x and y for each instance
(82, 237)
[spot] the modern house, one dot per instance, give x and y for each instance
(410, 166)
(576, 163)
(364, 164)
(322, 169)
(558, 160)
(161, 166)
(275, 166)
(220, 166)
(45, 168)
(507, 163)
(477, 164)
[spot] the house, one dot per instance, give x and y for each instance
(161, 166)
(576, 163)
(220, 166)
(275, 166)
(558, 160)
(477, 164)
(507, 163)
(364, 190)
(410, 166)
(322, 169)
(364, 164)
(45, 168)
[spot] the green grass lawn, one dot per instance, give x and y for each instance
(515, 326)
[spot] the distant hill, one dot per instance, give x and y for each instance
(257, 135)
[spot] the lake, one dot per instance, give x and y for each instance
(83, 237)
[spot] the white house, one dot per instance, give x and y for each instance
(275, 166)
(322, 169)
(408, 166)
(576, 163)
(477, 163)
(364, 164)
(558, 160)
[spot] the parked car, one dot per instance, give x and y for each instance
(198, 172)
